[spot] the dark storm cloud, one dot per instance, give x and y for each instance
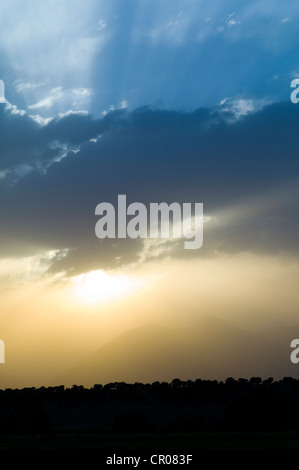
(19, 139)
(244, 172)
(24, 142)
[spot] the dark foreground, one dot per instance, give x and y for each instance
(239, 419)
(170, 442)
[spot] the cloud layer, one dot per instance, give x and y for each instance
(244, 169)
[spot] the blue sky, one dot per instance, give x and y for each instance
(99, 55)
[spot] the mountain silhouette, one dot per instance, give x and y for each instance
(209, 349)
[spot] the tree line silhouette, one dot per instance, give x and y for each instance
(179, 406)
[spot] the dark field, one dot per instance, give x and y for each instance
(182, 416)
(185, 442)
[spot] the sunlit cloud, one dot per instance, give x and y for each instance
(231, 20)
(101, 25)
(27, 269)
(236, 108)
(23, 86)
(75, 98)
(63, 40)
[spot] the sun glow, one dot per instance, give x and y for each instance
(98, 287)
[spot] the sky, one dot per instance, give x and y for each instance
(173, 101)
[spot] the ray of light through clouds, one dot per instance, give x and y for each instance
(48, 51)
(174, 100)
(112, 49)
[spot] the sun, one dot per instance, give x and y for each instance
(98, 287)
